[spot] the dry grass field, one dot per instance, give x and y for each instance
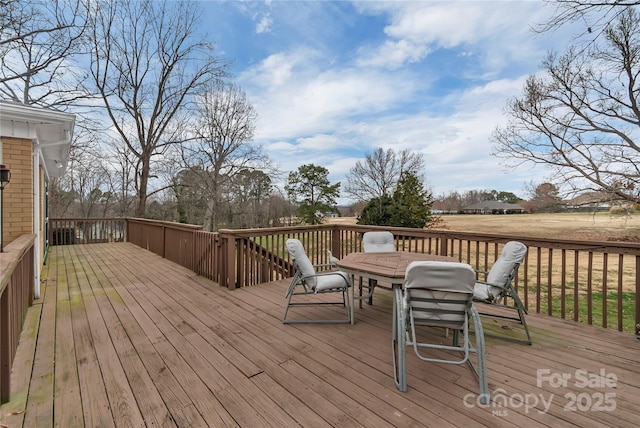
(579, 226)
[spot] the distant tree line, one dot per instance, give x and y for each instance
(544, 197)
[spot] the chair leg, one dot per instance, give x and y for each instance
(372, 286)
(349, 305)
(521, 312)
(345, 303)
(286, 311)
(398, 343)
(485, 395)
(518, 307)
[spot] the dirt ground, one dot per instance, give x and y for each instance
(579, 226)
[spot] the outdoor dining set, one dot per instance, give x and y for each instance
(428, 291)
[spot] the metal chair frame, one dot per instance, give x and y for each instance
(507, 291)
(302, 281)
(408, 315)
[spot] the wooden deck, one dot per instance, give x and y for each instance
(122, 337)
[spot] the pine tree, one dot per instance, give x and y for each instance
(410, 203)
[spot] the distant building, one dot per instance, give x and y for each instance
(589, 201)
(493, 207)
(439, 207)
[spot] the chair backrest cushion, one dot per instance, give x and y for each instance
(439, 293)
(512, 255)
(441, 276)
(378, 242)
(302, 262)
(501, 272)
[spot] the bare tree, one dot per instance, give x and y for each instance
(147, 63)
(250, 195)
(222, 143)
(190, 192)
(543, 197)
(39, 41)
(378, 175)
(582, 119)
(596, 15)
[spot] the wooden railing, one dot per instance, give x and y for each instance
(16, 295)
(591, 282)
(70, 231)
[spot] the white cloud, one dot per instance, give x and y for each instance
(294, 101)
(434, 79)
(264, 26)
(392, 54)
(275, 70)
(497, 32)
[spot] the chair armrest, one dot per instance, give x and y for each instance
(322, 265)
(488, 292)
(501, 286)
(325, 267)
(328, 272)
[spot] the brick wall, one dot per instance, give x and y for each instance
(18, 194)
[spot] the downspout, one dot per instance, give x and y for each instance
(45, 226)
(36, 221)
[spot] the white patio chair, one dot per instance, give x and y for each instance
(375, 242)
(498, 287)
(378, 242)
(437, 294)
(307, 285)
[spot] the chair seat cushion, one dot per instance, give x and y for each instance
(326, 281)
(484, 291)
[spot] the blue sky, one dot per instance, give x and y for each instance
(333, 80)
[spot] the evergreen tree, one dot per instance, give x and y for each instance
(311, 189)
(377, 212)
(410, 203)
(408, 207)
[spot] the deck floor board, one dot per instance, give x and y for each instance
(122, 337)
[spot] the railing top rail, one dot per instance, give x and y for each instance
(618, 247)
(273, 230)
(88, 219)
(172, 224)
(11, 256)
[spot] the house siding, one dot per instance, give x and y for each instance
(18, 194)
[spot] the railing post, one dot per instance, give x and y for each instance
(444, 245)
(229, 277)
(164, 242)
(335, 241)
